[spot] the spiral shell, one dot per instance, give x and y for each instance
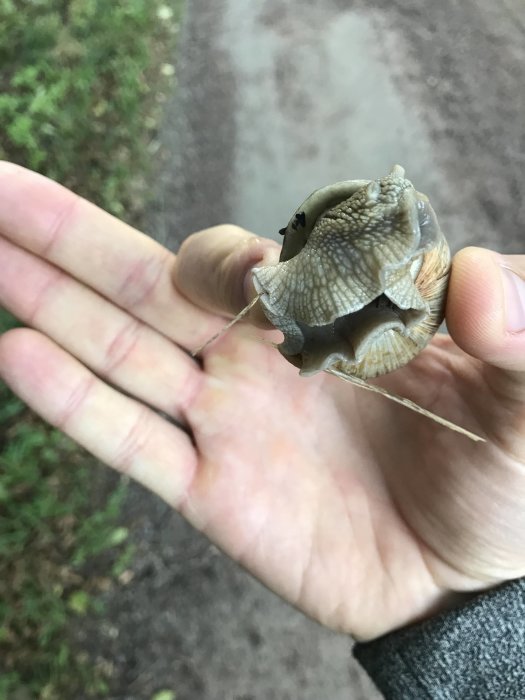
(361, 283)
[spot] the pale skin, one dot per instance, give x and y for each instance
(361, 513)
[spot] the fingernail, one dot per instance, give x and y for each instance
(514, 300)
(266, 254)
(270, 256)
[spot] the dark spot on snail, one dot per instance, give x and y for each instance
(300, 220)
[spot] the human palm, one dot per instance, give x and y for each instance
(358, 511)
(363, 514)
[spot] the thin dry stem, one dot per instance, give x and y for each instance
(407, 403)
(244, 312)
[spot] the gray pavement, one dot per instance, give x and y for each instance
(273, 100)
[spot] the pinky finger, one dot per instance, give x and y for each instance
(116, 429)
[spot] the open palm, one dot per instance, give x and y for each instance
(363, 514)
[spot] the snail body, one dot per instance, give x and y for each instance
(361, 284)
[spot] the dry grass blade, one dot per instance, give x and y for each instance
(227, 327)
(407, 403)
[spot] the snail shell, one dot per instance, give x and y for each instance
(361, 283)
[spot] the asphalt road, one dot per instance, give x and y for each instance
(277, 99)
(273, 100)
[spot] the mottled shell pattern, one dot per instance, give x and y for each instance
(361, 283)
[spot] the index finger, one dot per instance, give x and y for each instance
(114, 259)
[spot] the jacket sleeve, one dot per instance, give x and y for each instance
(476, 652)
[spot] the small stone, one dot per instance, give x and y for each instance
(167, 69)
(165, 13)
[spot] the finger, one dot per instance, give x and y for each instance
(114, 428)
(486, 313)
(117, 261)
(213, 269)
(114, 344)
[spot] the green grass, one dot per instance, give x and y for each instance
(81, 88)
(81, 92)
(47, 534)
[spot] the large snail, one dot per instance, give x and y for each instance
(361, 283)
(362, 278)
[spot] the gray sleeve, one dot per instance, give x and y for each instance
(474, 653)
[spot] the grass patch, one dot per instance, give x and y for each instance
(82, 87)
(47, 534)
(81, 92)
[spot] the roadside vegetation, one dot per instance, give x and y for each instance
(82, 88)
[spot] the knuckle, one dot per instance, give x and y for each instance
(134, 441)
(121, 347)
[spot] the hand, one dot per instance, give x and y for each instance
(359, 512)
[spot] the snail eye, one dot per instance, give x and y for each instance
(282, 231)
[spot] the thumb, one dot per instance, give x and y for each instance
(486, 312)
(213, 269)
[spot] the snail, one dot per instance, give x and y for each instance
(361, 283)
(362, 279)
